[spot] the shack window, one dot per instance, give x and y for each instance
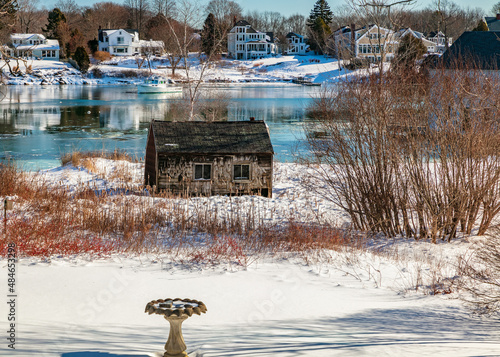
(241, 172)
(202, 171)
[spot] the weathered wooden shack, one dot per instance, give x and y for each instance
(210, 158)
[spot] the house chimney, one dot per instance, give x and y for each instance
(498, 16)
(252, 118)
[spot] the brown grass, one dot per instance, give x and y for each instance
(50, 220)
(80, 158)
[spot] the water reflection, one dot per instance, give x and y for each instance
(38, 124)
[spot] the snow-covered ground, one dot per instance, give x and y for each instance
(343, 303)
(123, 70)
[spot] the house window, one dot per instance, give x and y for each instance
(119, 40)
(241, 172)
(202, 171)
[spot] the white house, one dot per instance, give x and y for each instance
(439, 40)
(296, 44)
(244, 42)
(126, 42)
(33, 45)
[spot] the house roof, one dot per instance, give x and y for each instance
(293, 34)
(48, 45)
(493, 23)
(26, 36)
(231, 137)
(479, 47)
(107, 32)
(242, 23)
(434, 34)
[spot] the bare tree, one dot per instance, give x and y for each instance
(495, 9)
(185, 40)
(29, 17)
(446, 13)
(107, 15)
(296, 23)
(408, 154)
(139, 11)
(164, 7)
(224, 11)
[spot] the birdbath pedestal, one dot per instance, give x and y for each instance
(175, 311)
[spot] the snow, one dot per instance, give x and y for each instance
(343, 303)
(124, 69)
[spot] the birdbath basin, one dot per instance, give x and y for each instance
(175, 312)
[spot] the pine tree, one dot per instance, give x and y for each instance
(321, 10)
(409, 51)
(55, 18)
(319, 19)
(82, 58)
(211, 36)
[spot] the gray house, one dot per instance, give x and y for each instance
(209, 158)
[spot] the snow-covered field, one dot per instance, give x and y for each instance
(343, 303)
(316, 69)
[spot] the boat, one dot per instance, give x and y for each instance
(306, 81)
(156, 84)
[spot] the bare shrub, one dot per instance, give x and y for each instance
(480, 275)
(96, 72)
(408, 154)
(78, 158)
(101, 56)
(214, 104)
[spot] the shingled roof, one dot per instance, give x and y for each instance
(481, 48)
(493, 23)
(237, 137)
(242, 23)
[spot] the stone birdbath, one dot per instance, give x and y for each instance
(175, 312)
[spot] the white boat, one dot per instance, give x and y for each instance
(157, 84)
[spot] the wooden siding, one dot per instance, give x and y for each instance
(176, 174)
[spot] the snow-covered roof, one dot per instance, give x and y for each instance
(26, 36)
(51, 45)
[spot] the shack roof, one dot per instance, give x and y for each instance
(232, 137)
(481, 48)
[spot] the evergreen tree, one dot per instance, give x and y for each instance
(318, 22)
(321, 10)
(55, 18)
(211, 36)
(82, 59)
(409, 51)
(93, 45)
(481, 26)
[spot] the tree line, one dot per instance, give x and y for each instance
(74, 25)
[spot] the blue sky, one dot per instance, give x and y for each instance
(289, 7)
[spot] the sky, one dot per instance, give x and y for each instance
(290, 7)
